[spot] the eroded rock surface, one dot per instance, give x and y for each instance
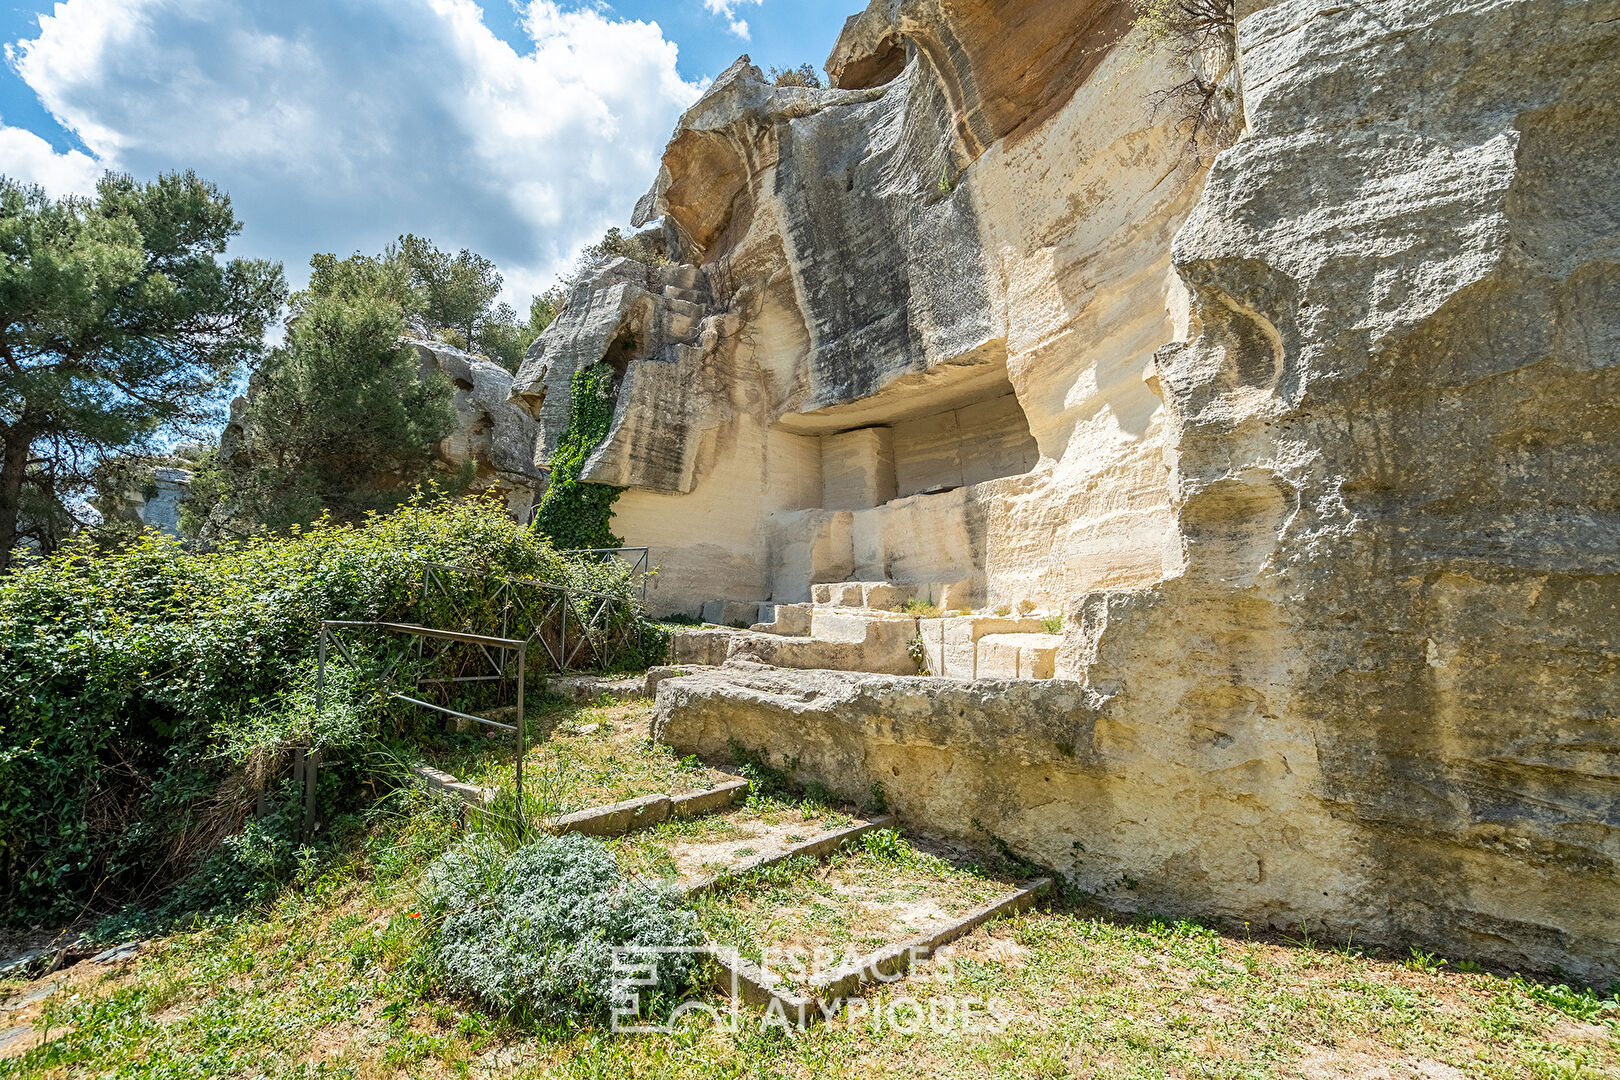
(493, 436)
(1314, 449)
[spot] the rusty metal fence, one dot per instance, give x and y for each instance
(478, 630)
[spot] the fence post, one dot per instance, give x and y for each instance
(320, 672)
(312, 766)
(522, 734)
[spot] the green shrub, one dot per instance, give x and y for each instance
(533, 934)
(142, 689)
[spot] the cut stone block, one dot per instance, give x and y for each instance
(949, 595)
(1018, 656)
(738, 613)
(697, 803)
(751, 984)
(950, 644)
(435, 780)
(657, 676)
(838, 594)
(886, 595)
(703, 648)
(590, 687)
(884, 649)
(860, 626)
(789, 620)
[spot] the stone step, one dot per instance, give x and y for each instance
(789, 620)
(886, 650)
(1018, 656)
(861, 626)
(692, 311)
(951, 644)
(893, 595)
(706, 647)
(685, 276)
(681, 328)
(734, 613)
(691, 296)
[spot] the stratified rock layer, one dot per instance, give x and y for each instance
(1316, 450)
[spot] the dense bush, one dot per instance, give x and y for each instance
(140, 689)
(533, 933)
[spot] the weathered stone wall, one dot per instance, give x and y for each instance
(1316, 450)
(925, 296)
(1340, 560)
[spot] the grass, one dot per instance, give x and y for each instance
(580, 757)
(877, 892)
(321, 983)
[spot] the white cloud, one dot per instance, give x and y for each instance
(727, 9)
(336, 125)
(26, 157)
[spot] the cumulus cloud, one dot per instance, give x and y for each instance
(727, 9)
(26, 157)
(336, 126)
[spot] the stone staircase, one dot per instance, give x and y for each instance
(864, 626)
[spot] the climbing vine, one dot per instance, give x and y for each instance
(575, 514)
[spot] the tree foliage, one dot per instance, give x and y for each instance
(119, 323)
(450, 296)
(341, 418)
(1202, 36)
(803, 75)
(574, 514)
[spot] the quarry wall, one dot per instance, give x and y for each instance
(1313, 445)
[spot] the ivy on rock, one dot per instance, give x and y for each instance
(575, 514)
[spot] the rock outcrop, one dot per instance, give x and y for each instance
(1314, 447)
(493, 436)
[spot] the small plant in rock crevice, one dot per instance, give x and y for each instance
(878, 801)
(923, 609)
(755, 766)
(919, 654)
(1201, 35)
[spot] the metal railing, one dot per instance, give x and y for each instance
(530, 613)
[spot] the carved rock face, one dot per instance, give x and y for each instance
(1314, 449)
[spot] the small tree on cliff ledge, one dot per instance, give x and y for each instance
(118, 323)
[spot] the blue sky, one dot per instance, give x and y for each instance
(521, 129)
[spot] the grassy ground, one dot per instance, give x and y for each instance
(688, 850)
(873, 894)
(322, 984)
(591, 755)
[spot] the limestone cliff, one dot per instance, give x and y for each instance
(1315, 448)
